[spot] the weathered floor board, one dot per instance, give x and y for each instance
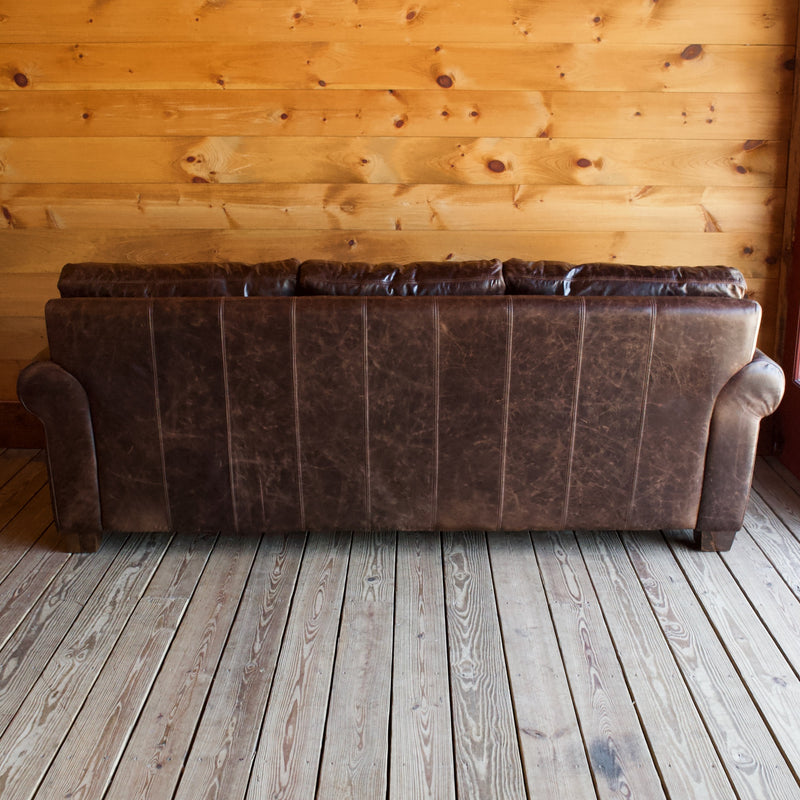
(401, 666)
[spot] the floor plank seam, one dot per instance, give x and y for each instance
(257, 743)
(581, 726)
(716, 661)
(158, 674)
(680, 671)
(520, 748)
(764, 623)
(632, 695)
(390, 731)
(733, 663)
(453, 727)
(336, 657)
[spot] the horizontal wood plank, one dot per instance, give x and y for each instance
(21, 294)
(514, 161)
(375, 207)
(447, 67)
(574, 114)
(764, 21)
(31, 251)
(22, 338)
(11, 415)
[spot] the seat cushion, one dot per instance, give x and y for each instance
(419, 278)
(561, 278)
(201, 279)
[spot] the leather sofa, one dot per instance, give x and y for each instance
(433, 396)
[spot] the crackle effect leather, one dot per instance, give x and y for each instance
(117, 374)
(752, 393)
(59, 400)
(621, 280)
(417, 279)
(196, 279)
(240, 414)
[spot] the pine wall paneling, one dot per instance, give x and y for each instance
(641, 131)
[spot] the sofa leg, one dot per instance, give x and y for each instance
(85, 542)
(718, 541)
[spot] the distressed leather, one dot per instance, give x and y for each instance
(59, 400)
(751, 394)
(422, 278)
(411, 413)
(621, 280)
(226, 279)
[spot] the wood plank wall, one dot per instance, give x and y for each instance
(641, 131)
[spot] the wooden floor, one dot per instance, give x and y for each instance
(402, 666)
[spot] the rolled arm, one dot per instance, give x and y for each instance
(59, 401)
(751, 394)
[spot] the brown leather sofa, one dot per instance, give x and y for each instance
(432, 396)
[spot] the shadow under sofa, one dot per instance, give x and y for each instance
(477, 395)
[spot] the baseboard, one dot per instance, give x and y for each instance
(18, 427)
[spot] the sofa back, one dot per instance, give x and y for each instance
(488, 412)
(419, 278)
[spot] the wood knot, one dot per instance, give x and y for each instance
(21, 80)
(753, 144)
(495, 165)
(692, 51)
(445, 81)
(584, 162)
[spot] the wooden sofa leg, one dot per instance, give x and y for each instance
(719, 541)
(85, 542)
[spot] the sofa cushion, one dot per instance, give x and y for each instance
(417, 278)
(560, 278)
(228, 279)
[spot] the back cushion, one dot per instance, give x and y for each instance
(231, 279)
(560, 278)
(416, 279)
